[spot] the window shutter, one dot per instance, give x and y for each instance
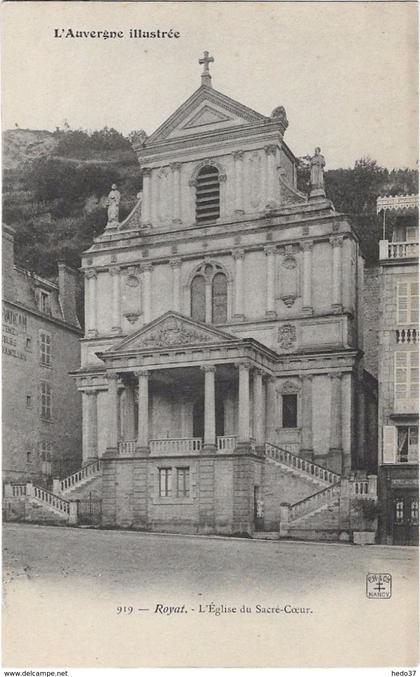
(389, 445)
(401, 375)
(402, 302)
(414, 301)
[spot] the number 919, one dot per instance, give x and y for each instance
(125, 610)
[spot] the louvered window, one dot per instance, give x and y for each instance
(207, 195)
(407, 302)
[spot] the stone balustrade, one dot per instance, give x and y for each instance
(53, 501)
(78, 477)
(127, 447)
(398, 250)
(297, 463)
(407, 335)
(175, 446)
(308, 505)
(226, 443)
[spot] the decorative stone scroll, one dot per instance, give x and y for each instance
(174, 332)
(287, 336)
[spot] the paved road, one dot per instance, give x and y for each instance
(75, 577)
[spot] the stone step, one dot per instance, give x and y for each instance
(267, 535)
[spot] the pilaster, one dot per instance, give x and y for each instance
(337, 246)
(238, 255)
(307, 277)
(270, 252)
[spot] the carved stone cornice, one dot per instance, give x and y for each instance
(270, 149)
(238, 254)
(115, 270)
(146, 267)
(208, 368)
(112, 376)
(146, 171)
(175, 262)
(307, 245)
(335, 375)
(222, 178)
(238, 154)
(91, 273)
(141, 373)
(336, 241)
(243, 364)
(269, 250)
(175, 166)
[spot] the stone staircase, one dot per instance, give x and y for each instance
(86, 480)
(31, 503)
(322, 515)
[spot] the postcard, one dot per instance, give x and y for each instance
(210, 331)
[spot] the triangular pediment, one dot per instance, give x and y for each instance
(168, 331)
(206, 116)
(206, 110)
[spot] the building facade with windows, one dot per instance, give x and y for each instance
(399, 373)
(222, 367)
(40, 345)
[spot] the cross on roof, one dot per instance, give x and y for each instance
(205, 75)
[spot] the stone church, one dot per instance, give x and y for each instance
(222, 376)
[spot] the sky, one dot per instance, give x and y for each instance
(345, 72)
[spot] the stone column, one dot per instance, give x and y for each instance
(258, 407)
(238, 255)
(307, 277)
(176, 284)
(307, 443)
(146, 206)
(271, 406)
(243, 404)
(176, 191)
(335, 452)
(270, 154)
(112, 411)
(90, 278)
(147, 291)
(336, 244)
(143, 411)
(239, 193)
(116, 299)
(209, 408)
(129, 412)
(270, 252)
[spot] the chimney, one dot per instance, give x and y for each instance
(8, 260)
(67, 281)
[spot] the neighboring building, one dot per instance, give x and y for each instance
(41, 406)
(399, 373)
(222, 369)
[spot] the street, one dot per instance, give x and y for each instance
(306, 601)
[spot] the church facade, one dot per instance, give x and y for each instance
(222, 373)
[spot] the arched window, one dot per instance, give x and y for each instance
(219, 298)
(207, 195)
(198, 298)
(209, 294)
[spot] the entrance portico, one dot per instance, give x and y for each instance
(173, 392)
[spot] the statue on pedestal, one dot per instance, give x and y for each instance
(113, 204)
(317, 163)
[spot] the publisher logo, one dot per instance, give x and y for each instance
(378, 586)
